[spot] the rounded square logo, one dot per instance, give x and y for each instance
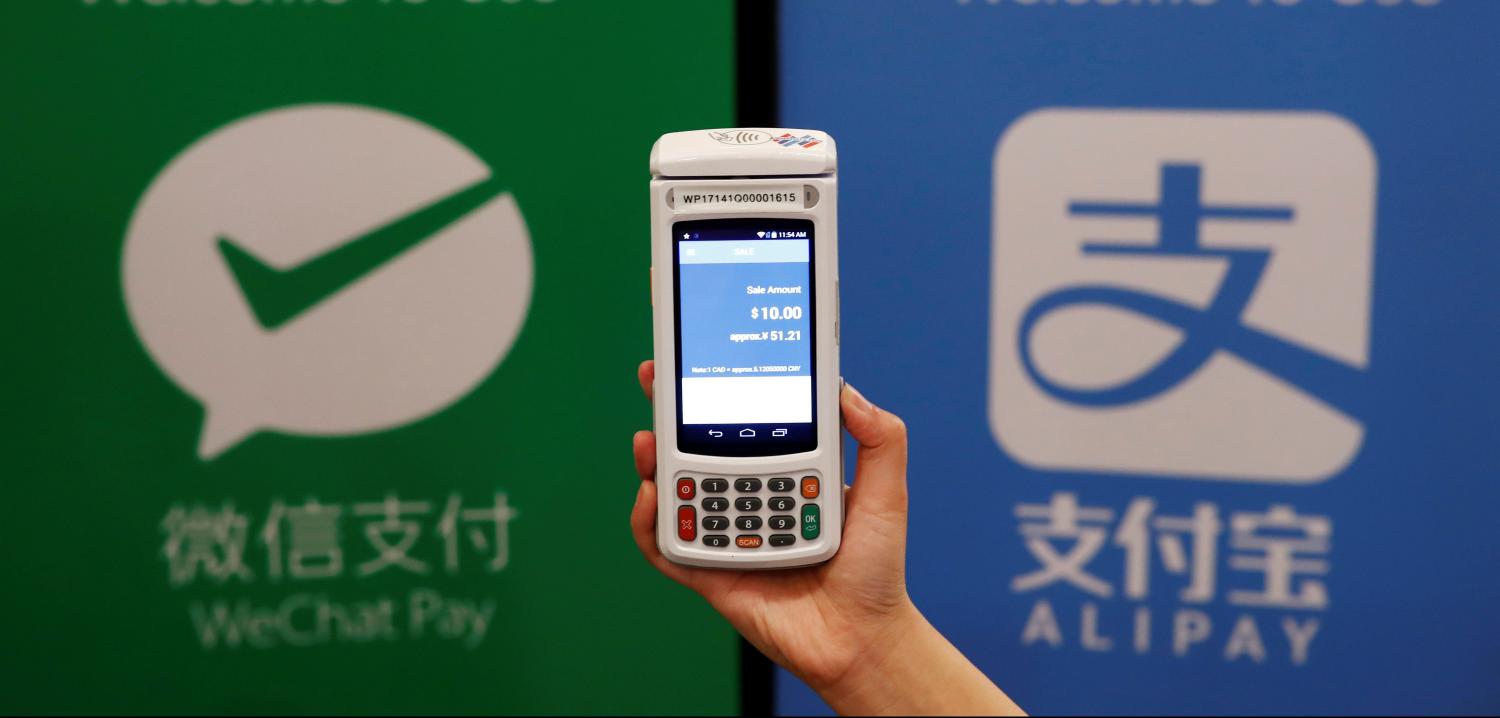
(1181, 294)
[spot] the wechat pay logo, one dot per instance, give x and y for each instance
(1182, 294)
(325, 270)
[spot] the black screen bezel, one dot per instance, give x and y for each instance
(802, 437)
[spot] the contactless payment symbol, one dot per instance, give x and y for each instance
(325, 270)
(740, 137)
(1182, 294)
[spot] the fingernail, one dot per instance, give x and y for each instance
(858, 400)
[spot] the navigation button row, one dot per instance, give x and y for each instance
(746, 433)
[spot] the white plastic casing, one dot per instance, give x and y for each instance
(749, 164)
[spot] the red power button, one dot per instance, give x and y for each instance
(687, 523)
(686, 489)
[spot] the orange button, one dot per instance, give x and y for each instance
(809, 487)
(747, 541)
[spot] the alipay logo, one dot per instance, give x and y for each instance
(1182, 294)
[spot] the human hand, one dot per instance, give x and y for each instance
(817, 621)
(846, 627)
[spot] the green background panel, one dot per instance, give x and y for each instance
(562, 100)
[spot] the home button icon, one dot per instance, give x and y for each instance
(747, 433)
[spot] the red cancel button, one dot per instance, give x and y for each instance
(687, 523)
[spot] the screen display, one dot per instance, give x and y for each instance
(745, 344)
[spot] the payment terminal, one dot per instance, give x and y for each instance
(744, 255)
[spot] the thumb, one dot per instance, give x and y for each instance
(880, 472)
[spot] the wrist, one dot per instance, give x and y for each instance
(911, 669)
(865, 679)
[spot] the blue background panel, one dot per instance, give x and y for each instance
(919, 93)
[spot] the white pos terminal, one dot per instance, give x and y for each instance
(744, 248)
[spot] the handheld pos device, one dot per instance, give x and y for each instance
(744, 254)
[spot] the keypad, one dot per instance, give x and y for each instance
(788, 507)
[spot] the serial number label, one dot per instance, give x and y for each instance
(701, 197)
(692, 199)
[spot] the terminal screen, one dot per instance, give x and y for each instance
(745, 344)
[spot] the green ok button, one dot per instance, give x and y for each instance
(810, 523)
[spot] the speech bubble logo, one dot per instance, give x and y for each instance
(325, 270)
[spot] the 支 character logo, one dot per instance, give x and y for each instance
(1182, 293)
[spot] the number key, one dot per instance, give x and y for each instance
(778, 523)
(747, 503)
(715, 523)
(780, 485)
(747, 486)
(716, 504)
(782, 503)
(715, 486)
(746, 523)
